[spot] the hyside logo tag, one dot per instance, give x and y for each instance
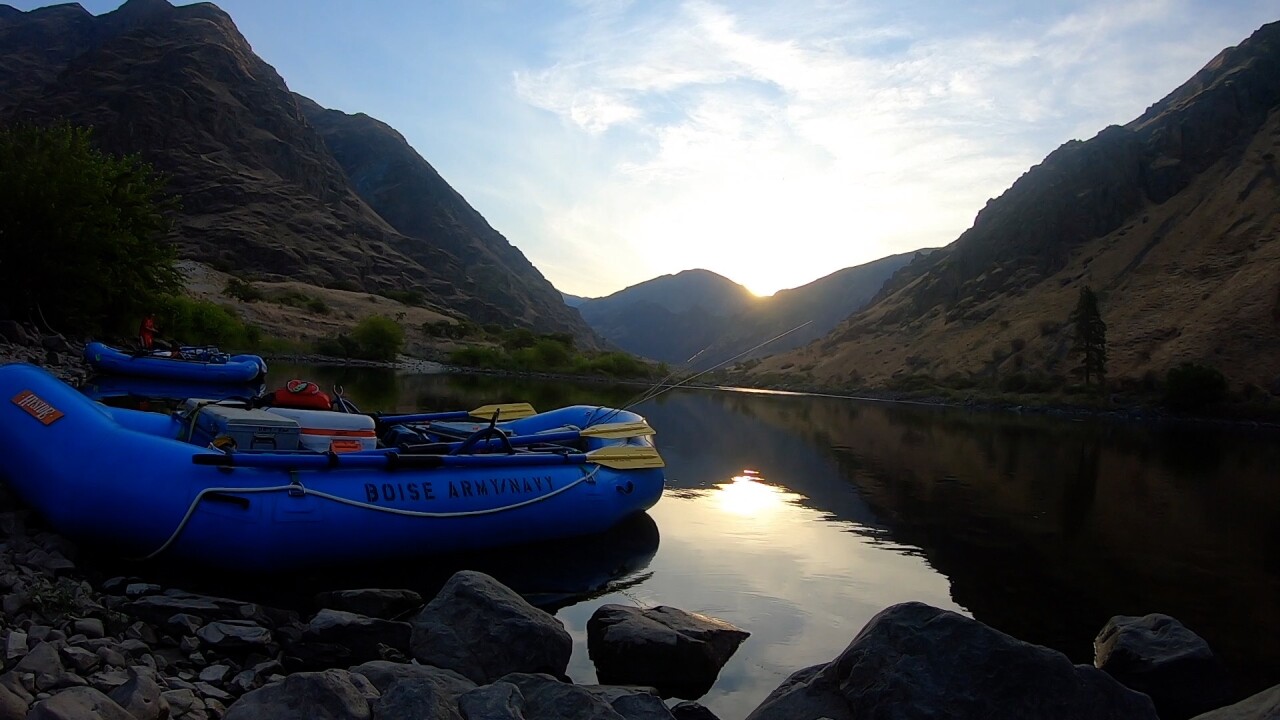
(37, 408)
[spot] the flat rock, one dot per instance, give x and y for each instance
(1262, 706)
(78, 703)
(325, 695)
(371, 602)
(679, 653)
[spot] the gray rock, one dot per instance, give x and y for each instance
(184, 623)
(244, 681)
(78, 704)
(207, 690)
(371, 602)
(15, 645)
(55, 344)
(1157, 655)
(546, 698)
(915, 661)
(14, 333)
(89, 627)
(215, 673)
(108, 680)
(44, 663)
(182, 701)
(678, 652)
(80, 659)
(142, 696)
(382, 675)
(139, 589)
(337, 637)
(632, 703)
(326, 695)
(12, 705)
(691, 711)
(416, 700)
(1262, 706)
(234, 635)
(112, 657)
(159, 608)
(484, 630)
(496, 701)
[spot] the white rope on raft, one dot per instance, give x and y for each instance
(295, 487)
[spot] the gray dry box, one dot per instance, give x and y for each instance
(250, 429)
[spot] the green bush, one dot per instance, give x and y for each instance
(406, 297)
(83, 234)
(378, 338)
(1192, 386)
(241, 290)
(200, 322)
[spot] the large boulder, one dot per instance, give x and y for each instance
(327, 695)
(679, 653)
(383, 675)
(142, 697)
(78, 703)
(916, 661)
(1157, 655)
(1262, 706)
(484, 630)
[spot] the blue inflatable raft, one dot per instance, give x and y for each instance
(196, 364)
(190, 485)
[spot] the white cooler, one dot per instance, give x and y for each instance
(325, 430)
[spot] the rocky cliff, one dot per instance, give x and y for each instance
(1173, 219)
(262, 192)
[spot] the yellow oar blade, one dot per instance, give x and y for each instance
(506, 411)
(626, 457)
(634, 428)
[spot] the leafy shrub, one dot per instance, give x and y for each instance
(200, 322)
(241, 290)
(302, 301)
(84, 232)
(1192, 386)
(378, 338)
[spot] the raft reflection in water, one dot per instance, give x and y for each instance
(550, 575)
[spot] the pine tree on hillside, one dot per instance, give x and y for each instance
(1091, 337)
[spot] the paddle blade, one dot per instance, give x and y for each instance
(505, 411)
(626, 457)
(634, 428)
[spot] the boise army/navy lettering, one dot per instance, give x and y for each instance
(418, 491)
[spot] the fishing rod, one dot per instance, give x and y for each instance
(658, 389)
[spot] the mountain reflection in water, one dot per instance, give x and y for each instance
(798, 518)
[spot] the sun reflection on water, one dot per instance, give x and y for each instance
(747, 496)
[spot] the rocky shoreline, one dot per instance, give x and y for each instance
(80, 647)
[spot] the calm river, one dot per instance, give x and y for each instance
(797, 518)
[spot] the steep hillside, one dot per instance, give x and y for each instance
(1173, 219)
(486, 277)
(669, 318)
(675, 317)
(807, 312)
(262, 195)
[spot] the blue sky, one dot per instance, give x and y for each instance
(773, 143)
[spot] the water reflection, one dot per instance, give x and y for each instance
(798, 518)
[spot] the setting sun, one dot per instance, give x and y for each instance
(748, 497)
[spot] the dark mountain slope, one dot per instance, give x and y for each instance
(1172, 218)
(261, 193)
(668, 318)
(490, 280)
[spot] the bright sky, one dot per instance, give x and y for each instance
(773, 143)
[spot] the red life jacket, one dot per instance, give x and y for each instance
(302, 395)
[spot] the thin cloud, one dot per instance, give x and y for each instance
(827, 131)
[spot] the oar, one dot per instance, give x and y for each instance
(611, 431)
(620, 457)
(504, 411)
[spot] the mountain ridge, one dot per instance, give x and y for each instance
(1172, 218)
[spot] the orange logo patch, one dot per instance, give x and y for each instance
(37, 408)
